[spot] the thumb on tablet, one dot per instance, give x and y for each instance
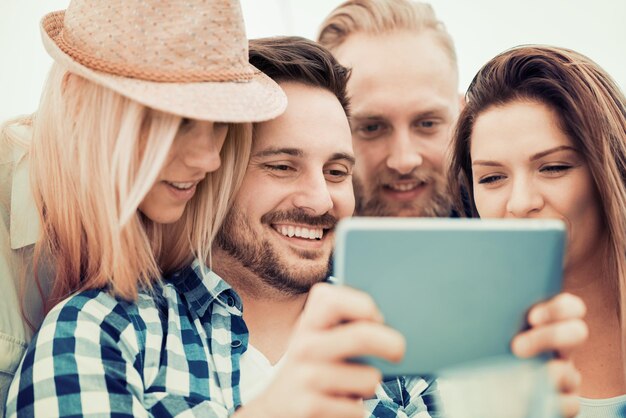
(329, 305)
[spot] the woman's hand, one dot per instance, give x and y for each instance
(557, 325)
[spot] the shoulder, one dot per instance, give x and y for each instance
(94, 316)
(15, 138)
(89, 343)
(94, 304)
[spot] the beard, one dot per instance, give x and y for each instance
(238, 239)
(370, 200)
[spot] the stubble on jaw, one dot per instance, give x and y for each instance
(238, 241)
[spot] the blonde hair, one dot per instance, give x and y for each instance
(95, 155)
(376, 17)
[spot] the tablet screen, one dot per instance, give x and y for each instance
(457, 289)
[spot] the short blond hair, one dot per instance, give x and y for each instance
(377, 17)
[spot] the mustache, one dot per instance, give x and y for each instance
(419, 174)
(326, 221)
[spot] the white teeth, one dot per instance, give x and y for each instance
(404, 187)
(182, 186)
(300, 231)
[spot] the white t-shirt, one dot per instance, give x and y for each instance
(603, 408)
(256, 373)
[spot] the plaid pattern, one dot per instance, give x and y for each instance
(174, 352)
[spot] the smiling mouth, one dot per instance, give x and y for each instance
(181, 186)
(404, 186)
(300, 231)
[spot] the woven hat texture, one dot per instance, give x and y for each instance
(186, 57)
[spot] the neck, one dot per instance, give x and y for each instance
(269, 314)
(593, 280)
(600, 358)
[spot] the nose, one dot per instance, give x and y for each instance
(313, 195)
(404, 155)
(202, 149)
(524, 200)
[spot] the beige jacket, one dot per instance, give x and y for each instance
(19, 230)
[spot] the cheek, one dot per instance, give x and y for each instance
(489, 204)
(574, 196)
(159, 208)
(221, 138)
(343, 198)
(150, 202)
(259, 195)
(369, 155)
(579, 203)
(435, 154)
(172, 159)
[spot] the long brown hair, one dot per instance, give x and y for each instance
(592, 112)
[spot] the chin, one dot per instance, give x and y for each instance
(313, 270)
(165, 217)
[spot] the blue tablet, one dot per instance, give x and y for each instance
(458, 289)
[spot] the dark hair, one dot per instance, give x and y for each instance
(589, 105)
(293, 58)
(591, 111)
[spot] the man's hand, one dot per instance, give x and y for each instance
(316, 378)
(557, 325)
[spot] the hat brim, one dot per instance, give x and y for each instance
(255, 100)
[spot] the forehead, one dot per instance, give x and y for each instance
(516, 128)
(399, 70)
(314, 122)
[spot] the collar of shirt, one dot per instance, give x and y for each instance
(201, 287)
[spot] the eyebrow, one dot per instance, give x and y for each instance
(534, 157)
(269, 152)
(551, 151)
(343, 156)
(296, 152)
(434, 112)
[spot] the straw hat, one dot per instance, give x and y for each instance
(186, 57)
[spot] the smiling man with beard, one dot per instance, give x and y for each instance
(404, 98)
(290, 336)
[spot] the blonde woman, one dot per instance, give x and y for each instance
(543, 135)
(140, 139)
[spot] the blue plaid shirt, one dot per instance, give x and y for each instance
(173, 352)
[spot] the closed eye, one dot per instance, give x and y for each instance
(278, 167)
(491, 179)
(336, 175)
(556, 169)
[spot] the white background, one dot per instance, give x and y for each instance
(480, 28)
